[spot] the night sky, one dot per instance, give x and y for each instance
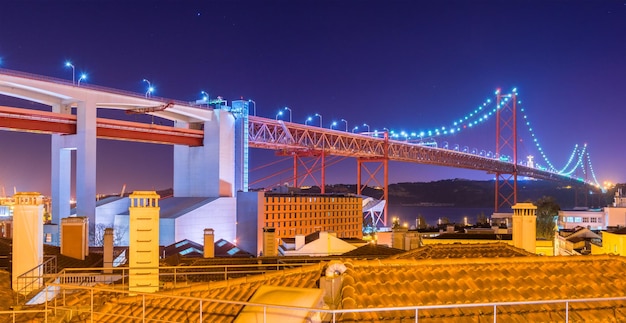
(402, 65)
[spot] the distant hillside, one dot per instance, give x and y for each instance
(466, 193)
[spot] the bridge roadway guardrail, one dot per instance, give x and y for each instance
(89, 86)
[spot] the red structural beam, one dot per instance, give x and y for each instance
(135, 131)
(278, 135)
(27, 120)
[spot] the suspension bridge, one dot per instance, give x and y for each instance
(198, 125)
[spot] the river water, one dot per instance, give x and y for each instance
(409, 214)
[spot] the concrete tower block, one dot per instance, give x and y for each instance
(144, 242)
(27, 239)
(75, 237)
(209, 243)
(208, 170)
(525, 226)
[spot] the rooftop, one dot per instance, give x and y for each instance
(435, 275)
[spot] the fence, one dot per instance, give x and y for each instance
(265, 311)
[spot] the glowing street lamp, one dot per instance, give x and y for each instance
(69, 64)
(355, 128)
(290, 114)
(83, 76)
(368, 127)
(319, 115)
(333, 124)
(309, 119)
(344, 120)
(150, 88)
(205, 96)
(280, 113)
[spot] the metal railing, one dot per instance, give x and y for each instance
(145, 301)
(16, 315)
(169, 277)
(34, 279)
(63, 295)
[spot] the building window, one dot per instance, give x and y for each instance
(48, 237)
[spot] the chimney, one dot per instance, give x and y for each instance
(209, 243)
(270, 249)
(107, 250)
(74, 237)
(144, 242)
(525, 226)
(27, 239)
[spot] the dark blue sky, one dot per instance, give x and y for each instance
(405, 65)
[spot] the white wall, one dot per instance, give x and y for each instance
(219, 214)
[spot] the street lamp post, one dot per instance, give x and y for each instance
(205, 96)
(319, 115)
(82, 77)
(355, 128)
(333, 124)
(290, 114)
(69, 64)
(344, 120)
(280, 113)
(368, 127)
(150, 88)
(306, 122)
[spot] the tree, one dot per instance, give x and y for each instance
(547, 211)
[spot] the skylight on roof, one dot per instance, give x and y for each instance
(233, 251)
(221, 243)
(189, 250)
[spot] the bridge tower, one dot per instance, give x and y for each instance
(373, 177)
(506, 148)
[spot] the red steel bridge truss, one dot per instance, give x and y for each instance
(376, 148)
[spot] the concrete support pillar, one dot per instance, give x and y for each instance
(107, 250)
(75, 237)
(27, 240)
(61, 182)
(86, 163)
(209, 170)
(525, 226)
(84, 142)
(144, 242)
(209, 243)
